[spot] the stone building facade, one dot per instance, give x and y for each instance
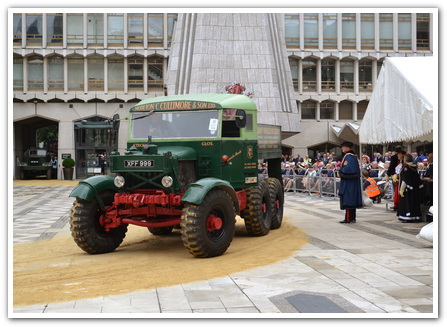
(313, 74)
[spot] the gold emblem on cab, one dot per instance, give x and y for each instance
(249, 152)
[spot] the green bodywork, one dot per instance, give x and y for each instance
(195, 164)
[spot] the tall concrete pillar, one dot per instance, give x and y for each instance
(213, 50)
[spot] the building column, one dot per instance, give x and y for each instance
(45, 75)
(374, 73)
(317, 110)
(65, 75)
(319, 75)
(337, 111)
(126, 76)
(413, 32)
(395, 32)
(44, 31)
(66, 144)
(145, 75)
(25, 74)
(354, 111)
(106, 74)
(337, 76)
(300, 76)
(85, 22)
(377, 32)
(356, 77)
(85, 75)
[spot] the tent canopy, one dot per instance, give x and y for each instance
(402, 102)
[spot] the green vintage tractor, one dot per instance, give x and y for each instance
(191, 163)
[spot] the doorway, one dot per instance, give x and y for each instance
(95, 139)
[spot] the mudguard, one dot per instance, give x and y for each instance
(91, 187)
(197, 191)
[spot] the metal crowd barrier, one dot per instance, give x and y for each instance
(326, 187)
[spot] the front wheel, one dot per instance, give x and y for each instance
(208, 228)
(86, 229)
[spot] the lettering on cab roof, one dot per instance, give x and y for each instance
(176, 105)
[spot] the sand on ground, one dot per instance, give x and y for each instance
(56, 270)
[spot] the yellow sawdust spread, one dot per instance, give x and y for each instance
(56, 270)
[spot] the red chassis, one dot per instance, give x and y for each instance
(153, 208)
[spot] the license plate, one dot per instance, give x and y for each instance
(138, 163)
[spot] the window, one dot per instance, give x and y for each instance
(348, 31)
(367, 31)
(404, 31)
(17, 72)
(309, 74)
(115, 29)
(294, 70)
(155, 30)
(386, 31)
(75, 29)
(95, 29)
(328, 75)
(308, 109)
(172, 19)
(310, 31)
(35, 72)
(34, 29)
(54, 29)
(361, 109)
(17, 28)
(75, 73)
(292, 30)
(135, 72)
(56, 73)
(95, 73)
(345, 110)
(327, 110)
(155, 71)
(115, 71)
(365, 75)
(135, 29)
(423, 31)
(330, 31)
(346, 75)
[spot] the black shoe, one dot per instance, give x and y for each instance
(347, 222)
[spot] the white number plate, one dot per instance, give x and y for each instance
(138, 163)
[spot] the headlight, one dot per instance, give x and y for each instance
(167, 181)
(119, 181)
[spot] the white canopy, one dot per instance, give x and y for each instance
(402, 102)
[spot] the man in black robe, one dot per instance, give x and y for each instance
(409, 191)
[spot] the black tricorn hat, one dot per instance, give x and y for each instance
(348, 144)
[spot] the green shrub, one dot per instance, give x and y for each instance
(68, 162)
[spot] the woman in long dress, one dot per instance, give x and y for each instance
(409, 192)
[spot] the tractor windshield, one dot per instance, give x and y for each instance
(172, 125)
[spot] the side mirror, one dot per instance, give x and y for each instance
(116, 122)
(241, 118)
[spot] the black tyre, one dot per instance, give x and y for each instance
(258, 212)
(201, 235)
(86, 230)
(160, 230)
(277, 197)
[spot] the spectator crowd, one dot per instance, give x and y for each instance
(320, 174)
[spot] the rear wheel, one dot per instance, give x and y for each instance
(86, 229)
(208, 228)
(277, 198)
(258, 212)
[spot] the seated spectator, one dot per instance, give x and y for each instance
(374, 172)
(366, 165)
